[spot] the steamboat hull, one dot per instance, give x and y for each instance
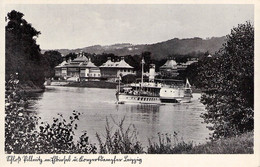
(123, 98)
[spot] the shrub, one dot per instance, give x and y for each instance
(121, 141)
(129, 78)
(168, 144)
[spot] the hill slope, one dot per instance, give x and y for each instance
(159, 50)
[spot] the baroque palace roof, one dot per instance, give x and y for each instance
(120, 64)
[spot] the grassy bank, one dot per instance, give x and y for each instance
(243, 144)
(93, 84)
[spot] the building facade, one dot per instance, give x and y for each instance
(112, 70)
(80, 68)
(172, 68)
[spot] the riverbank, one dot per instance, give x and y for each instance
(98, 84)
(93, 84)
(31, 88)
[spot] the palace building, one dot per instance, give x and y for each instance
(80, 68)
(112, 70)
(170, 68)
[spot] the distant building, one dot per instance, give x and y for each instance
(112, 70)
(183, 66)
(191, 61)
(80, 68)
(92, 72)
(58, 69)
(170, 68)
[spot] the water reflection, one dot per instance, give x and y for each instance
(98, 104)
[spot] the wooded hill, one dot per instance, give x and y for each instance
(160, 50)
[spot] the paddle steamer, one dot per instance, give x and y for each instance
(154, 91)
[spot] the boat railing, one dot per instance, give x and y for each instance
(154, 84)
(145, 84)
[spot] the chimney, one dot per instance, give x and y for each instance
(151, 72)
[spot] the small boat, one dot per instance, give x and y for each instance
(154, 91)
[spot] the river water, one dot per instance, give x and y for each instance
(98, 104)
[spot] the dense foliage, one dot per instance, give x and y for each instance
(191, 72)
(22, 53)
(52, 58)
(71, 56)
(130, 78)
(228, 79)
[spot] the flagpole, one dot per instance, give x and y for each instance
(142, 80)
(119, 78)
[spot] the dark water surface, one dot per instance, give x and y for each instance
(98, 104)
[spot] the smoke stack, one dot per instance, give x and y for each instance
(152, 73)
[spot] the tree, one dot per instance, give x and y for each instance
(228, 78)
(191, 72)
(129, 78)
(147, 59)
(22, 53)
(71, 56)
(100, 59)
(53, 58)
(134, 61)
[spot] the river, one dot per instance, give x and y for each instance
(98, 104)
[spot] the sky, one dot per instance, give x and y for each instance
(76, 26)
